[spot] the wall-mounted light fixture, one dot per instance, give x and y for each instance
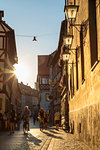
(67, 52)
(71, 12)
(67, 40)
(66, 56)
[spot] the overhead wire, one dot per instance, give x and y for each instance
(47, 34)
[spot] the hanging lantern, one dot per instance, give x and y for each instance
(34, 39)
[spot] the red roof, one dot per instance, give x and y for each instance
(43, 68)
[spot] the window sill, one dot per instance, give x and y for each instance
(93, 67)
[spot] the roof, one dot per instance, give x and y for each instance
(52, 55)
(25, 89)
(43, 67)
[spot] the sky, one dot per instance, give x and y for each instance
(29, 18)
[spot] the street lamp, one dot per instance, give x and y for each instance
(67, 40)
(71, 12)
(67, 50)
(66, 56)
(34, 39)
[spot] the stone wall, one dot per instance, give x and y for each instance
(85, 110)
(84, 107)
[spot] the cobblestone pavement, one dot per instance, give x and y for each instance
(50, 139)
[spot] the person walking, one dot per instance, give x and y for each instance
(26, 115)
(12, 122)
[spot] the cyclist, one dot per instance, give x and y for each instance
(26, 115)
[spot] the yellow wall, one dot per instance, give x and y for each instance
(84, 107)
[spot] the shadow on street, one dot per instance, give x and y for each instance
(30, 138)
(51, 135)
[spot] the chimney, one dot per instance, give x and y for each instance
(1, 14)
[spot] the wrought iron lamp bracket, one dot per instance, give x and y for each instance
(76, 26)
(71, 50)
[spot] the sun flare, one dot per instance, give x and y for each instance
(22, 72)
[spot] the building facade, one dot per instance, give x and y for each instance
(79, 77)
(63, 83)
(8, 57)
(43, 81)
(56, 76)
(84, 73)
(30, 98)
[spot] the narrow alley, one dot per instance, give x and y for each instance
(50, 72)
(49, 139)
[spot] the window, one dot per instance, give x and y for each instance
(71, 83)
(44, 81)
(77, 86)
(82, 53)
(93, 32)
(73, 79)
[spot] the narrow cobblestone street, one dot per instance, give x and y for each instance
(50, 139)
